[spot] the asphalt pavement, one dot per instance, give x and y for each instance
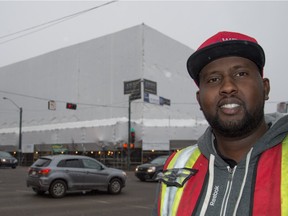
(137, 198)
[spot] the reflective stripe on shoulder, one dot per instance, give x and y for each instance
(284, 177)
(171, 196)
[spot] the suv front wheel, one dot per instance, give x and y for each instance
(115, 186)
(58, 189)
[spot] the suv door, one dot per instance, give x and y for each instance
(96, 175)
(74, 172)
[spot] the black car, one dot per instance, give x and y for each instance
(7, 160)
(149, 171)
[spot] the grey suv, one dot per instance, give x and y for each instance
(58, 174)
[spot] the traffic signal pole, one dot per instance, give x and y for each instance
(129, 138)
(133, 88)
(20, 137)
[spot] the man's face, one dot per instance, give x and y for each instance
(231, 95)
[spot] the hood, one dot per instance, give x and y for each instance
(114, 170)
(146, 165)
(278, 130)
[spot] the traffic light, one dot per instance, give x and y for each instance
(132, 136)
(125, 145)
(71, 106)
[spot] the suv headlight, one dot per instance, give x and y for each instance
(151, 169)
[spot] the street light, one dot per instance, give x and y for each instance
(20, 128)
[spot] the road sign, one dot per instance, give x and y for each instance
(133, 88)
(51, 105)
(150, 87)
(154, 99)
(164, 101)
(135, 96)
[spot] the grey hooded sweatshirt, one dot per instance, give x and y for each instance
(230, 188)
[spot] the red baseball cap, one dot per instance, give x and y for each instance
(224, 44)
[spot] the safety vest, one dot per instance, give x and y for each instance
(270, 189)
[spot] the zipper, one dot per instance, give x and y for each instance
(231, 172)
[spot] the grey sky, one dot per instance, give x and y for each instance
(189, 22)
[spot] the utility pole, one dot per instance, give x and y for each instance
(20, 130)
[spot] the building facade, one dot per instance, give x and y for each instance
(98, 77)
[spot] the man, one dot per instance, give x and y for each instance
(240, 164)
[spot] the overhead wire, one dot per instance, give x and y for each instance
(48, 24)
(45, 25)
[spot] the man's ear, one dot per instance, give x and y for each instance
(266, 85)
(198, 99)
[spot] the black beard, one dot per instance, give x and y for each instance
(238, 128)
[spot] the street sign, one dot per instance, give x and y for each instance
(133, 88)
(154, 99)
(51, 105)
(150, 87)
(135, 96)
(150, 98)
(164, 101)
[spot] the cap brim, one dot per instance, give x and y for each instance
(245, 49)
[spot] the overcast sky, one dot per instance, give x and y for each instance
(189, 22)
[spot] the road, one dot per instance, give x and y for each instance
(137, 198)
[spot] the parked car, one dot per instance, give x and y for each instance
(150, 170)
(7, 160)
(58, 174)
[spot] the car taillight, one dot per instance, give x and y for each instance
(44, 171)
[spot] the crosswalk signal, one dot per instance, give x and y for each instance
(71, 106)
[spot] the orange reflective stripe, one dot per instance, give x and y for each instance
(284, 178)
